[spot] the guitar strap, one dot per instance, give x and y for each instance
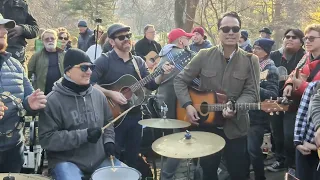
(253, 73)
(136, 67)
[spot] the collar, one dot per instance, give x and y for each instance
(220, 48)
(114, 55)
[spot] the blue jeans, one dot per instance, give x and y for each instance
(70, 171)
(12, 160)
(255, 139)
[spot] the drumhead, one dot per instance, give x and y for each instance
(120, 173)
(24, 176)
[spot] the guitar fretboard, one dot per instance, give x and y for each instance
(238, 106)
(146, 80)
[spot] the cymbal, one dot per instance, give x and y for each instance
(164, 123)
(19, 176)
(179, 146)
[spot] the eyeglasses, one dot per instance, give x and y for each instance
(311, 38)
(64, 38)
(85, 67)
(293, 37)
(226, 29)
(48, 39)
(123, 37)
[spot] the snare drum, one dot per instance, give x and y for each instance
(118, 173)
(18, 176)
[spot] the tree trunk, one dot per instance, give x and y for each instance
(179, 7)
(190, 14)
(277, 23)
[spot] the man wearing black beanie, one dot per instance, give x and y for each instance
(70, 126)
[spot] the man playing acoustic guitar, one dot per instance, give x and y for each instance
(226, 68)
(109, 68)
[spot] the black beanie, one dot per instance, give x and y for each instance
(74, 57)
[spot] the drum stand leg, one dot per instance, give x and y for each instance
(189, 161)
(161, 160)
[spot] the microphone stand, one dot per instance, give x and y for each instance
(164, 110)
(96, 40)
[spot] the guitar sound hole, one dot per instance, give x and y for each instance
(204, 108)
(127, 93)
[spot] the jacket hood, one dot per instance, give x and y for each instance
(167, 48)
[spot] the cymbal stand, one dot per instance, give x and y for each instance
(164, 110)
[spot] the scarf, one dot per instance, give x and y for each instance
(70, 84)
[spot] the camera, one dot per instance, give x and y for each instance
(98, 20)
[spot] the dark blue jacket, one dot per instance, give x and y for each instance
(268, 88)
(197, 47)
(14, 80)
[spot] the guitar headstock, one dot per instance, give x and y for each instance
(271, 106)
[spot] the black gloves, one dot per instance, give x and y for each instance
(109, 149)
(94, 134)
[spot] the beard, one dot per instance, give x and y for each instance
(123, 47)
(4, 45)
(50, 46)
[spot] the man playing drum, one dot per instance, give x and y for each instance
(70, 126)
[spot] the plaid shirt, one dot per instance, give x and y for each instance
(304, 128)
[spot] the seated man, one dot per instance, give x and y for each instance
(70, 125)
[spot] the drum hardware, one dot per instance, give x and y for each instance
(188, 145)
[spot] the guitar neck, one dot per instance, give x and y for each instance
(238, 106)
(146, 80)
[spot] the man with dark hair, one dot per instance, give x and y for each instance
(226, 68)
(147, 44)
(26, 27)
(84, 35)
(288, 56)
(109, 68)
(199, 40)
(244, 42)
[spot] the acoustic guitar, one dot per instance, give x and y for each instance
(208, 104)
(152, 57)
(132, 89)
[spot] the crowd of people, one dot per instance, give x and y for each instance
(64, 86)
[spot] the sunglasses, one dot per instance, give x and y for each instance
(64, 38)
(311, 38)
(226, 29)
(85, 67)
(293, 37)
(123, 37)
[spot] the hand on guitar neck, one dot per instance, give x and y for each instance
(229, 112)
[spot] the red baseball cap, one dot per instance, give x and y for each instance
(176, 33)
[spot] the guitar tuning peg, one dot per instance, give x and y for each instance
(271, 114)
